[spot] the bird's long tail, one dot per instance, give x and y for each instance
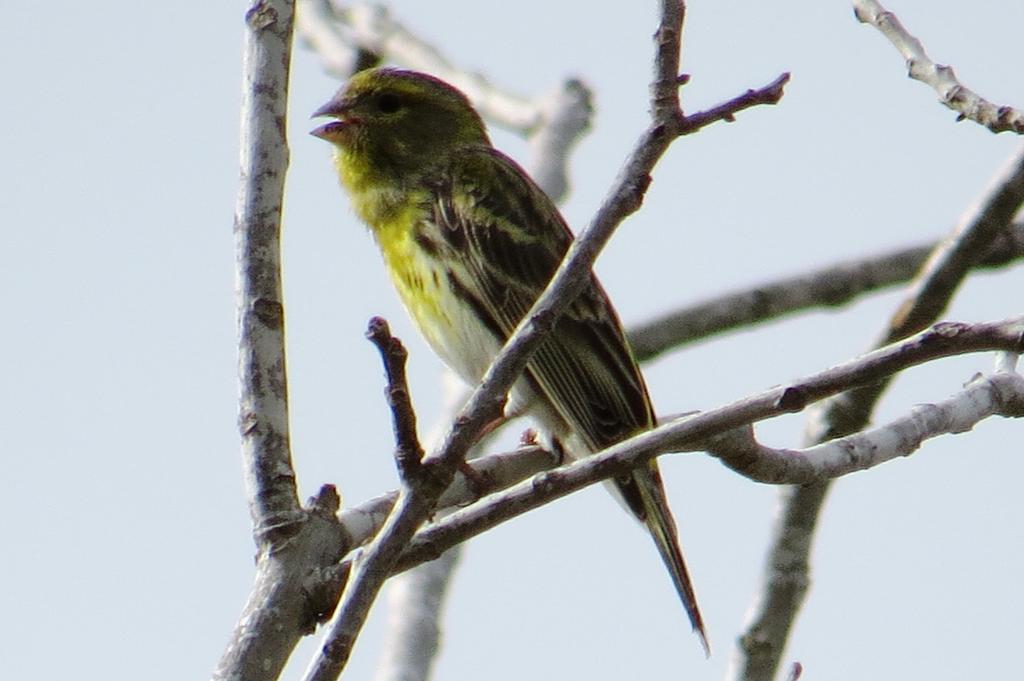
(659, 522)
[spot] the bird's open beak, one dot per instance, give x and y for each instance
(338, 108)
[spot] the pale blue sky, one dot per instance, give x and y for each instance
(126, 530)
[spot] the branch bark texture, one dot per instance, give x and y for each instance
(291, 541)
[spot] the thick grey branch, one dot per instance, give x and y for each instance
(967, 103)
(263, 412)
(293, 542)
(276, 614)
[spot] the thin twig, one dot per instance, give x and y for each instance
(786, 578)
(408, 452)
(769, 94)
(967, 103)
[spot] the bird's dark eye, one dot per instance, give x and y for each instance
(388, 103)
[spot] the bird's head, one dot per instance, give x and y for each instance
(399, 122)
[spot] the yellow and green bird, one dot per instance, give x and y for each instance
(470, 243)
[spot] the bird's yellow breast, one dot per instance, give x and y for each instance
(422, 282)
(393, 214)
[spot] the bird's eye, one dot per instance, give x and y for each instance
(388, 103)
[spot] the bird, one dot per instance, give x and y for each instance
(470, 242)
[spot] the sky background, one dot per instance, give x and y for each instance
(127, 540)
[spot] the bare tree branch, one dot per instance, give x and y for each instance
(967, 103)
(360, 523)
(408, 452)
(999, 394)
(693, 432)
(277, 613)
(726, 111)
(985, 396)
(827, 287)
(786, 578)
(263, 417)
